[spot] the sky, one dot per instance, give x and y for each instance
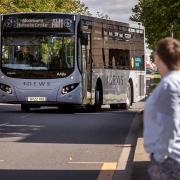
(118, 10)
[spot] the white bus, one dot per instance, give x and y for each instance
(66, 59)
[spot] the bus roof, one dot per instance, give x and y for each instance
(112, 22)
(89, 18)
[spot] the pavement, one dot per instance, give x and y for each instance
(141, 158)
(138, 169)
(141, 161)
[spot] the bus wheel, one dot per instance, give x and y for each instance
(98, 100)
(25, 107)
(90, 108)
(129, 98)
(114, 106)
(67, 108)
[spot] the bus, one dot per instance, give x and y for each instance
(58, 59)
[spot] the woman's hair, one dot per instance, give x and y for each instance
(168, 49)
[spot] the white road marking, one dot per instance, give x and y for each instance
(5, 104)
(25, 116)
(107, 169)
(5, 124)
(122, 162)
(21, 125)
(86, 162)
(123, 159)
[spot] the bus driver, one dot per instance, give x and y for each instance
(25, 57)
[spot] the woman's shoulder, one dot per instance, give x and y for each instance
(171, 80)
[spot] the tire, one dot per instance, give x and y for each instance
(67, 108)
(25, 108)
(114, 106)
(90, 108)
(98, 99)
(94, 107)
(129, 98)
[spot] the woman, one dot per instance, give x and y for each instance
(162, 114)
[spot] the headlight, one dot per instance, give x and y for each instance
(6, 88)
(69, 88)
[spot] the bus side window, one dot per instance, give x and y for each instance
(79, 55)
(112, 58)
(103, 55)
(84, 38)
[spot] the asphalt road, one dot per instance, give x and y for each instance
(51, 144)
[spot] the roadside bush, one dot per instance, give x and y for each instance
(155, 78)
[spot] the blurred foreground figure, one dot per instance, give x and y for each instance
(162, 114)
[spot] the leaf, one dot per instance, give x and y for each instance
(159, 17)
(73, 6)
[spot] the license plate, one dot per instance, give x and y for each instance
(37, 98)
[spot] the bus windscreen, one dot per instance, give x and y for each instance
(37, 53)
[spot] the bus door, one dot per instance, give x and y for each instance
(86, 58)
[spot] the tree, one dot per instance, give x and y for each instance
(160, 19)
(102, 15)
(69, 6)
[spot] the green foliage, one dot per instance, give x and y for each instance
(68, 6)
(155, 79)
(159, 17)
(102, 15)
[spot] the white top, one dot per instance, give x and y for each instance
(162, 119)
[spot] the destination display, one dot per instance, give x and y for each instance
(60, 24)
